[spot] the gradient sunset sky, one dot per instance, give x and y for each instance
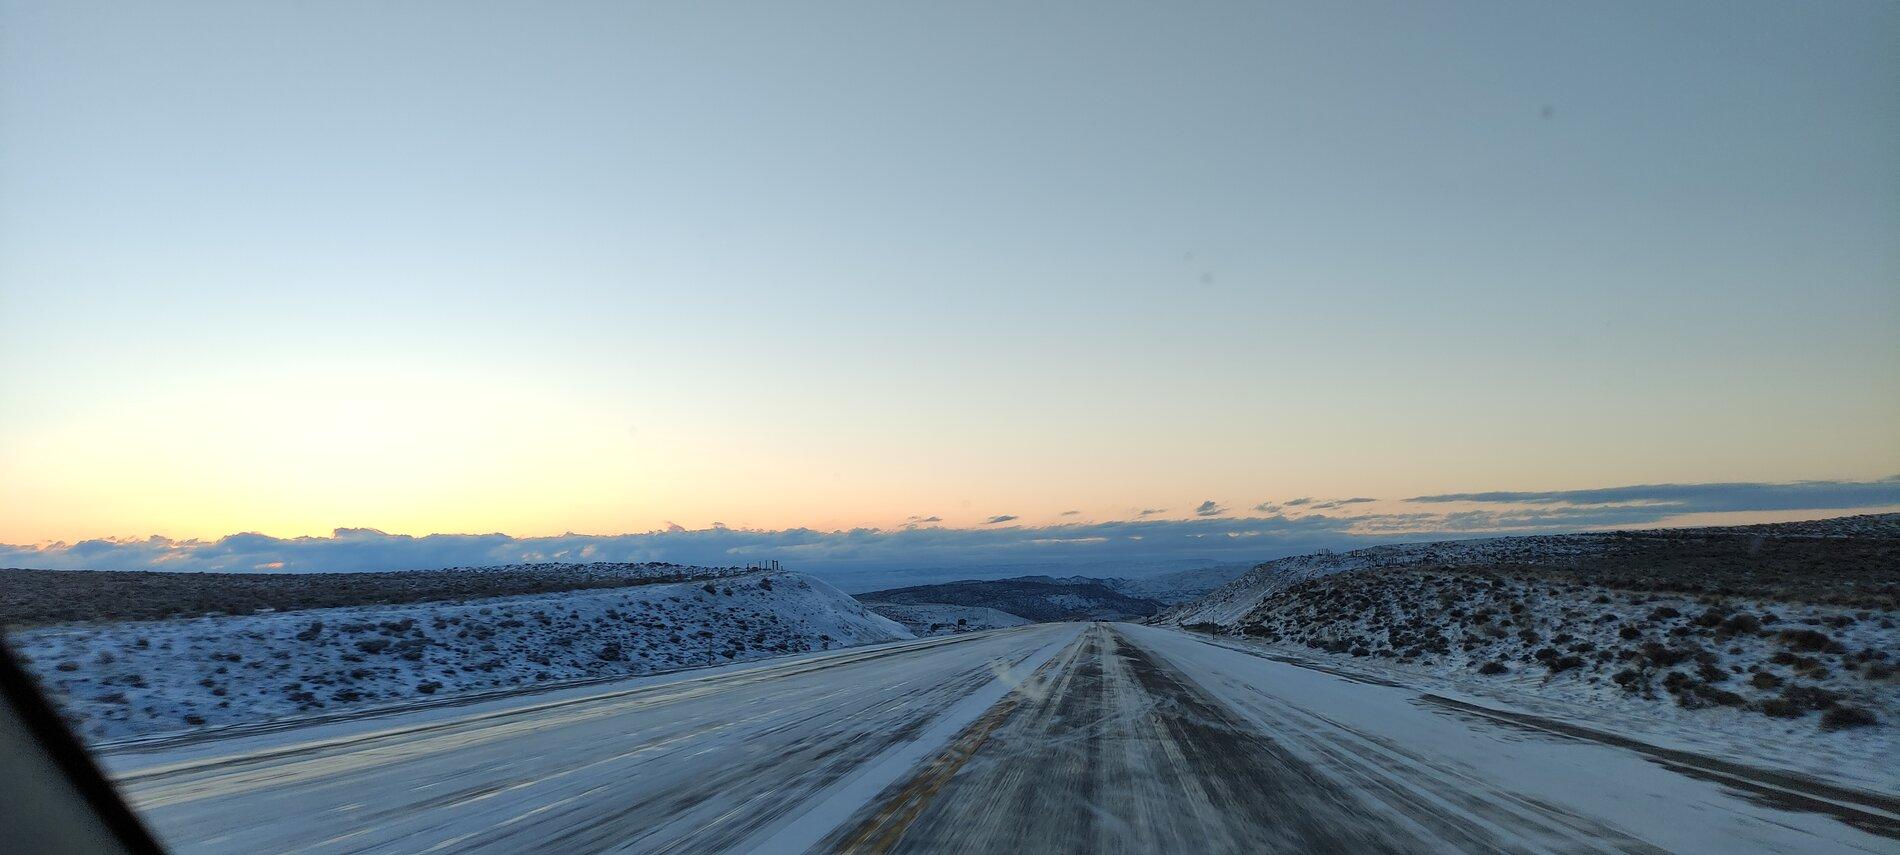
(541, 268)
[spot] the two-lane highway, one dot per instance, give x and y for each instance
(1054, 737)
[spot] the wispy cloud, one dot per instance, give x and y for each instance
(999, 518)
(1070, 513)
(1267, 508)
(1340, 503)
(1148, 512)
(1209, 508)
(1294, 503)
(1703, 498)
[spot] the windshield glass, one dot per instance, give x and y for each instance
(654, 427)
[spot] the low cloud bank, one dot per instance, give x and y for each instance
(1219, 538)
(359, 549)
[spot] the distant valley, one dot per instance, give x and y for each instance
(1053, 598)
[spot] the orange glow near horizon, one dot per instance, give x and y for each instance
(303, 454)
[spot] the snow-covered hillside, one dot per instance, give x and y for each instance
(1601, 646)
(944, 619)
(1844, 561)
(118, 680)
(1756, 630)
(1228, 603)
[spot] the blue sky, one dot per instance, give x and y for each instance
(429, 268)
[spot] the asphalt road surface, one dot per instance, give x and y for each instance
(1052, 737)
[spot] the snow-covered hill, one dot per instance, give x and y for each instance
(1754, 627)
(1842, 560)
(119, 680)
(944, 619)
(1228, 603)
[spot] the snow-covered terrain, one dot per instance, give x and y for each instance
(1668, 553)
(1773, 679)
(1723, 650)
(945, 619)
(1228, 603)
(118, 680)
(1044, 738)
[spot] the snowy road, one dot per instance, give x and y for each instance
(1059, 737)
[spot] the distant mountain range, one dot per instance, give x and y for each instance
(857, 580)
(1033, 598)
(1053, 598)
